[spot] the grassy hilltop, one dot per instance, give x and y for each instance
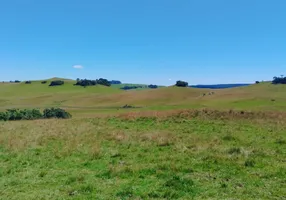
(160, 150)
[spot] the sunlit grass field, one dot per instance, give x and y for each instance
(212, 149)
(139, 157)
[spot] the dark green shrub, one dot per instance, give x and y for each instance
(57, 83)
(32, 114)
(56, 113)
(3, 116)
(14, 114)
(28, 82)
(44, 82)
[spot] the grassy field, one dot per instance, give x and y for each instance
(100, 99)
(129, 157)
(151, 152)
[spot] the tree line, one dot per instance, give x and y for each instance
(279, 80)
(105, 82)
(86, 82)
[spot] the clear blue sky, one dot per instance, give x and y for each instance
(144, 41)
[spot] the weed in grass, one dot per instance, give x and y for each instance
(42, 174)
(228, 138)
(125, 193)
(280, 141)
(249, 163)
(234, 150)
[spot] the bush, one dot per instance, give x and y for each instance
(257, 82)
(56, 113)
(14, 114)
(17, 81)
(182, 84)
(44, 82)
(57, 83)
(28, 82)
(3, 116)
(32, 114)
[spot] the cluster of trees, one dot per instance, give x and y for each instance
(86, 82)
(279, 80)
(182, 84)
(44, 82)
(32, 114)
(28, 82)
(16, 81)
(56, 83)
(132, 87)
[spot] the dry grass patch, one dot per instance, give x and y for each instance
(117, 135)
(161, 138)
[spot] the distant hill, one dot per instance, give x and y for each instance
(219, 86)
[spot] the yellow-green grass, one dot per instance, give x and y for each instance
(143, 158)
(101, 99)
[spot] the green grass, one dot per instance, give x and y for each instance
(160, 155)
(95, 99)
(144, 158)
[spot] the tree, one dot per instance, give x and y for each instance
(257, 82)
(153, 86)
(279, 80)
(182, 84)
(103, 81)
(86, 82)
(57, 83)
(28, 82)
(56, 113)
(130, 87)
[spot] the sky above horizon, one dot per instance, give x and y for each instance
(143, 41)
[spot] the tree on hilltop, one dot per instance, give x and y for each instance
(182, 84)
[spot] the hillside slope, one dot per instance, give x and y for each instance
(264, 96)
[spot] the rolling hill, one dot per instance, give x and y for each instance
(264, 96)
